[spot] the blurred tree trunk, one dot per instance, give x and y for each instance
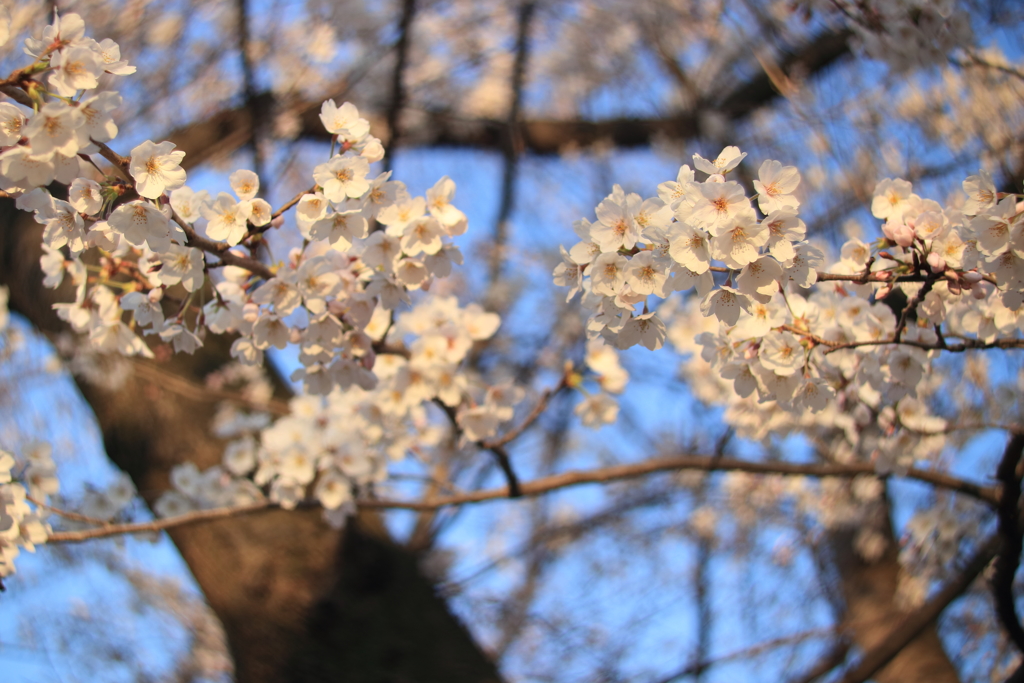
(299, 601)
(869, 591)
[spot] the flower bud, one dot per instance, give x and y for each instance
(294, 335)
(980, 290)
(155, 295)
(336, 308)
(251, 312)
(972, 277)
(716, 178)
(936, 262)
(277, 222)
(900, 233)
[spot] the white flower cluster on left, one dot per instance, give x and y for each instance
(22, 525)
(368, 243)
(26, 489)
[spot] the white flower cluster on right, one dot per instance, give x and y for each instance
(962, 270)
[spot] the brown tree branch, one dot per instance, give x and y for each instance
(398, 80)
(566, 479)
(538, 409)
(222, 133)
(513, 142)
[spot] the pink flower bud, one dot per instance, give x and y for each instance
(155, 295)
(972, 277)
(277, 222)
(900, 233)
(936, 262)
(980, 290)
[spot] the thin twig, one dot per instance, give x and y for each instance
(752, 651)
(196, 392)
(67, 514)
(988, 494)
(513, 490)
(965, 345)
(541, 406)
(292, 202)
(221, 250)
(158, 524)
(977, 60)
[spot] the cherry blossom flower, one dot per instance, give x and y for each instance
(142, 223)
(77, 68)
(52, 130)
(689, 247)
(597, 410)
(725, 304)
(608, 273)
(728, 159)
(245, 184)
(439, 199)
(343, 121)
(84, 196)
(891, 198)
(775, 186)
(343, 177)
(227, 219)
(12, 123)
(646, 329)
(981, 193)
(156, 168)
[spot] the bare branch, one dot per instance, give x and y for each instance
(538, 409)
(158, 524)
(67, 514)
(565, 480)
(398, 79)
(512, 147)
(543, 485)
(196, 392)
(228, 130)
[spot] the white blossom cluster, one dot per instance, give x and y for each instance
(368, 243)
(22, 525)
(932, 545)
(29, 485)
(331, 447)
(961, 269)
